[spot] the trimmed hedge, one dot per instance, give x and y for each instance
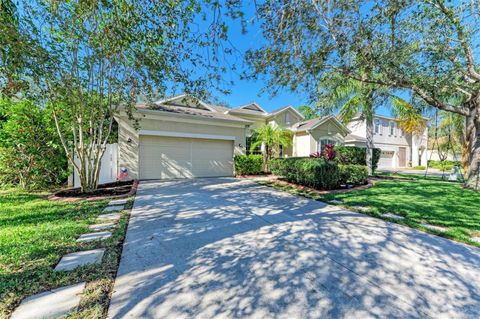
(353, 174)
(354, 155)
(248, 164)
(311, 172)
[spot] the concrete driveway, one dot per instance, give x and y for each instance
(228, 248)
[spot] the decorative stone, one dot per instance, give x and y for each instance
(94, 236)
(336, 202)
(113, 208)
(98, 227)
(50, 304)
(122, 201)
(435, 227)
(111, 217)
(393, 216)
(71, 261)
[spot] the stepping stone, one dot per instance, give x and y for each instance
(50, 304)
(336, 202)
(118, 202)
(113, 208)
(361, 208)
(94, 236)
(98, 227)
(81, 258)
(393, 216)
(434, 227)
(476, 239)
(109, 217)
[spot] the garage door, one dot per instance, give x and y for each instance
(386, 159)
(175, 157)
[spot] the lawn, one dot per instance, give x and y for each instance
(420, 202)
(35, 233)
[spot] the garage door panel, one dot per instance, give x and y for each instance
(171, 157)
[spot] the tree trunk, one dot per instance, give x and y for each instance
(369, 159)
(473, 144)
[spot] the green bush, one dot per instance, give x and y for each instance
(354, 155)
(312, 172)
(444, 166)
(248, 164)
(353, 174)
(419, 167)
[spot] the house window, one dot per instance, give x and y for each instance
(325, 141)
(287, 118)
(377, 126)
(392, 128)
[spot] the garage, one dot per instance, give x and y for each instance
(162, 157)
(386, 159)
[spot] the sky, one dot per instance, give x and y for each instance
(245, 91)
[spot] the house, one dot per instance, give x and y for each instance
(398, 148)
(182, 137)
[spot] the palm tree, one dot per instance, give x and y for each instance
(271, 137)
(355, 97)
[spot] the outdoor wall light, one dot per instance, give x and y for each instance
(129, 140)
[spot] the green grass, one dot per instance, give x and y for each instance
(419, 201)
(35, 233)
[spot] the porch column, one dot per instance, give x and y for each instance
(415, 155)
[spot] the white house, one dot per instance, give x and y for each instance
(399, 149)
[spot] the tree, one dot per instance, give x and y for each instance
(426, 48)
(271, 137)
(30, 152)
(308, 112)
(96, 58)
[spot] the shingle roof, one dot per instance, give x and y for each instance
(192, 111)
(308, 124)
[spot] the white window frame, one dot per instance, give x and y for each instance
(391, 128)
(329, 138)
(377, 126)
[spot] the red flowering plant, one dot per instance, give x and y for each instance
(328, 153)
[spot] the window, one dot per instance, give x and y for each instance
(248, 144)
(287, 118)
(377, 126)
(325, 141)
(392, 128)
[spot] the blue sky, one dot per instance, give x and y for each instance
(245, 91)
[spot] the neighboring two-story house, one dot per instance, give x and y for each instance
(399, 149)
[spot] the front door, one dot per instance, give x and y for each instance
(402, 157)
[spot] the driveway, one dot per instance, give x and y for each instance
(228, 248)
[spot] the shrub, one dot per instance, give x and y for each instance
(419, 167)
(327, 153)
(443, 165)
(248, 164)
(312, 172)
(30, 151)
(353, 174)
(355, 155)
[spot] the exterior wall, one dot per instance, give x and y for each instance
(279, 119)
(128, 151)
(302, 142)
(358, 127)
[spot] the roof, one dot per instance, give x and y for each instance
(203, 109)
(253, 107)
(355, 138)
(284, 108)
(314, 123)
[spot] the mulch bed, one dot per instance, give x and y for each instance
(113, 190)
(321, 192)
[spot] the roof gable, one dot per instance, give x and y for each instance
(185, 100)
(314, 123)
(251, 107)
(286, 108)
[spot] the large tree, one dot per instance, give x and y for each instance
(93, 57)
(428, 48)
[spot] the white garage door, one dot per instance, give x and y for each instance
(176, 157)
(386, 159)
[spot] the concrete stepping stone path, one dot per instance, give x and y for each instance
(111, 217)
(85, 238)
(361, 208)
(50, 304)
(476, 239)
(82, 258)
(393, 216)
(336, 202)
(97, 227)
(435, 227)
(115, 208)
(118, 202)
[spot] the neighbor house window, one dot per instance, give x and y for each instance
(392, 128)
(377, 126)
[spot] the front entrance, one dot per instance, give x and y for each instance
(402, 157)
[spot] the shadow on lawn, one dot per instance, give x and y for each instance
(233, 248)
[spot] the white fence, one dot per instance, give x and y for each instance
(108, 169)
